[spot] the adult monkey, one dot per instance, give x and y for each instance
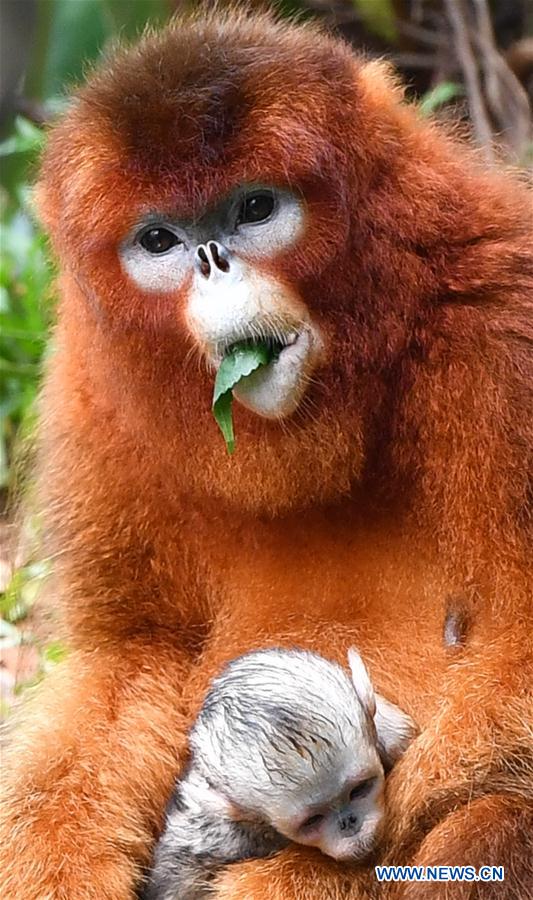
(231, 178)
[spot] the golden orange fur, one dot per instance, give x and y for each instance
(402, 480)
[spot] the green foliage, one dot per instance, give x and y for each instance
(16, 633)
(72, 32)
(26, 138)
(22, 591)
(378, 16)
(24, 287)
(439, 96)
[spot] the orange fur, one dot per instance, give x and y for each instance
(402, 481)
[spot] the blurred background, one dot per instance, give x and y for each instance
(466, 60)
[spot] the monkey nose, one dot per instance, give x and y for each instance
(348, 822)
(211, 259)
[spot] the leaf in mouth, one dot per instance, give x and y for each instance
(239, 361)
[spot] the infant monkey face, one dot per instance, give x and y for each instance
(346, 826)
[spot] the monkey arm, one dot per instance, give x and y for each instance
(295, 874)
(92, 768)
(463, 795)
(490, 753)
(494, 830)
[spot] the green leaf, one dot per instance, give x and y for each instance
(379, 17)
(222, 411)
(54, 653)
(438, 96)
(129, 19)
(238, 363)
(22, 590)
(26, 138)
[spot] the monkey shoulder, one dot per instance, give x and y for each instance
(196, 841)
(211, 835)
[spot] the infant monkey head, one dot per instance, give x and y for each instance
(285, 737)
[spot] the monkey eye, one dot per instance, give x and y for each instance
(312, 822)
(256, 207)
(158, 240)
(363, 788)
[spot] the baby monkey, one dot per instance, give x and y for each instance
(286, 748)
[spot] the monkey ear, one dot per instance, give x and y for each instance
(361, 682)
(395, 731)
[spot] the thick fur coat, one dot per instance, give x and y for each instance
(403, 480)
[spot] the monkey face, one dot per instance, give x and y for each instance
(337, 805)
(230, 179)
(229, 297)
(346, 826)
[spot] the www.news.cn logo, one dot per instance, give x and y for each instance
(440, 873)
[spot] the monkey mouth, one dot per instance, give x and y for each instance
(275, 390)
(243, 305)
(296, 347)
